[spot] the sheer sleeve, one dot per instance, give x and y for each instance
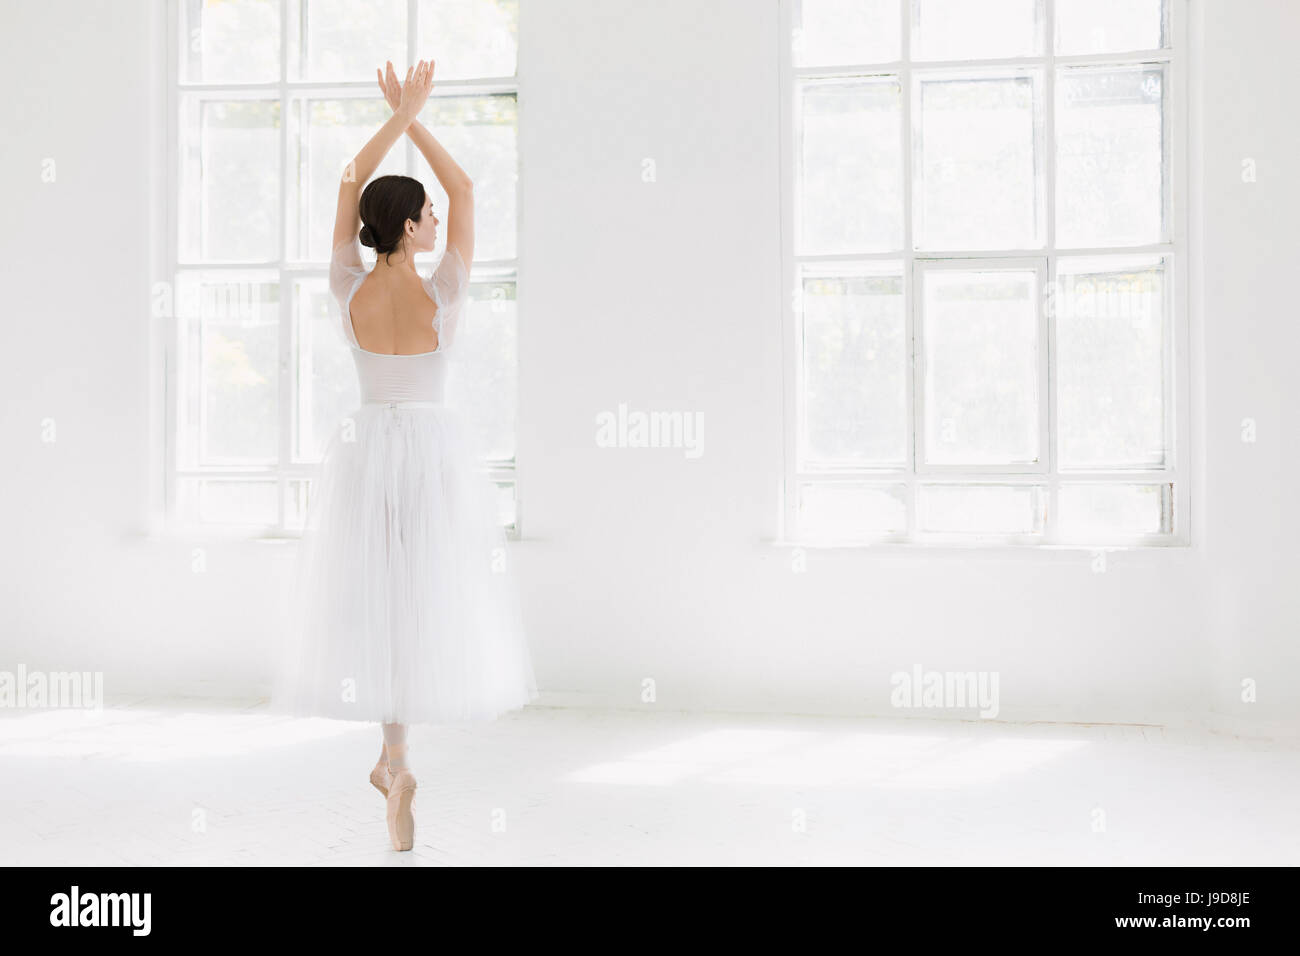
(346, 270)
(450, 288)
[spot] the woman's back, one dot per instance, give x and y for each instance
(409, 322)
(392, 313)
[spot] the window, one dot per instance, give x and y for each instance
(986, 262)
(272, 98)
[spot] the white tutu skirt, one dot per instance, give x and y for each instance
(405, 609)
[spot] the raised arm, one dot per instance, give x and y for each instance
(453, 179)
(412, 96)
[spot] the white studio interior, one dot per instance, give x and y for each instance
(888, 409)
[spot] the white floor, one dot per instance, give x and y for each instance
(177, 782)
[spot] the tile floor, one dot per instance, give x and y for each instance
(226, 783)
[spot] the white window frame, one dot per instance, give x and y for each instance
(289, 270)
(1177, 398)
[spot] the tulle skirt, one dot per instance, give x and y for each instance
(405, 607)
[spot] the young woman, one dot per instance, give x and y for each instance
(407, 612)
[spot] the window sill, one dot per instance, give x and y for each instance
(206, 536)
(999, 547)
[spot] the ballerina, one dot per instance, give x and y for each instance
(406, 612)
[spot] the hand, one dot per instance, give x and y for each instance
(415, 91)
(390, 86)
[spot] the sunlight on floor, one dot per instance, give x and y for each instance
(793, 758)
(147, 735)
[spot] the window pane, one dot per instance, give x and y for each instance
(1110, 344)
(326, 376)
(848, 511)
(980, 346)
(482, 133)
(842, 32)
(978, 182)
(1109, 160)
(1108, 26)
(230, 176)
(229, 349)
(346, 39)
(228, 501)
(469, 38)
(483, 380)
(329, 134)
(850, 167)
(854, 356)
(1095, 511)
(981, 509)
(230, 41)
(976, 29)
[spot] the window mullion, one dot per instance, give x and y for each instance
(791, 389)
(1048, 402)
(171, 254)
(284, 379)
(911, 383)
(1178, 323)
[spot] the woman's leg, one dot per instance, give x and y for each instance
(401, 821)
(395, 746)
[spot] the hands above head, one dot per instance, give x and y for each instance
(407, 98)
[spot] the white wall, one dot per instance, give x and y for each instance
(641, 563)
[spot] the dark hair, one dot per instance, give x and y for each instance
(386, 204)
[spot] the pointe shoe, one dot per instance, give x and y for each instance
(381, 777)
(401, 822)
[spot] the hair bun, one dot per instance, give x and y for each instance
(367, 237)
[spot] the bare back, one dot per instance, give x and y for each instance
(389, 312)
(393, 314)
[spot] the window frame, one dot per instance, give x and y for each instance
(289, 93)
(1176, 399)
